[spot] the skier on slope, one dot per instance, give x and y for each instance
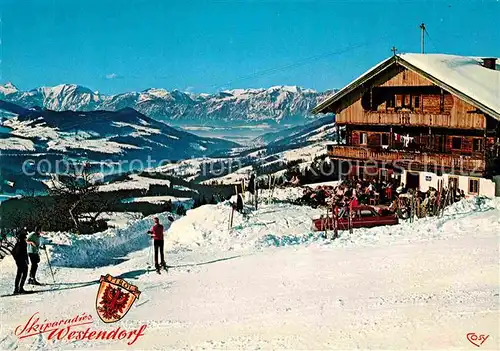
(20, 254)
(156, 234)
(34, 246)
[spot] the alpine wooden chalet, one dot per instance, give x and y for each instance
(422, 118)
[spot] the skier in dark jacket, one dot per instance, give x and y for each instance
(251, 184)
(239, 203)
(156, 234)
(20, 254)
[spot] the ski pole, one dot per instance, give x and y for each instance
(150, 254)
(50, 266)
(326, 227)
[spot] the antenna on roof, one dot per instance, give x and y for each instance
(394, 50)
(422, 27)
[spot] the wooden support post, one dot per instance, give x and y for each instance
(440, 198)
(484, 142)
(256, 193)
(414, 206)
(411, 209)
(371, 99)
(445, 201)
(243, 190)
(273, 179)
(336, 222)
(232, 216)
(269, 189)
(232, 208)
(349, 212)
(417, 207)
(441, 101)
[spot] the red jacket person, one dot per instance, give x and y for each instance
(156, 234)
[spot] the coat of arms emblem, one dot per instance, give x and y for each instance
(114, 298)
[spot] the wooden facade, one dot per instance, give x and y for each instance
(400, 76)
(401, 115)
(441, 110)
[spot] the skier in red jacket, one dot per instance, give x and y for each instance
(156, 234)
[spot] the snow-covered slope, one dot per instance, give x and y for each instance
(283, 104)
(318, 130)
(96, 135)
(424, 285)
(303, 144)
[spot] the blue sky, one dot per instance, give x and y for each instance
(206, 46)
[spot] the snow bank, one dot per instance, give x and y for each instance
(474, 204)
(207, 227)
(108, 247)
(120, 219)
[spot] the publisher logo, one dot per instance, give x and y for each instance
(114, 298)
(476, 340)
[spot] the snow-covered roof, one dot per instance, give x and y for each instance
(463, 76)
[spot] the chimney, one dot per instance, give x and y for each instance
(490, 62)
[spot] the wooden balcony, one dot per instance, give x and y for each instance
(411, 119)
(455, 163)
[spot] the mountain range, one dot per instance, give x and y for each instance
(279, 104)
(96, 135)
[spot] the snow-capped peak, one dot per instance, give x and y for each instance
(68, 97)
(157, 92)
(8, 88)
(275, 103)
(289, 88)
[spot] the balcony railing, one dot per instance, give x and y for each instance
(407, 118)
(458, 163)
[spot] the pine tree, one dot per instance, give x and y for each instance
(203, 201)
(181, 211)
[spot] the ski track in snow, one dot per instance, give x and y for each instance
(270, 283)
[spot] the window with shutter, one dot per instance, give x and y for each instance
(477, 145)
(473, 186)
(364, 139)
